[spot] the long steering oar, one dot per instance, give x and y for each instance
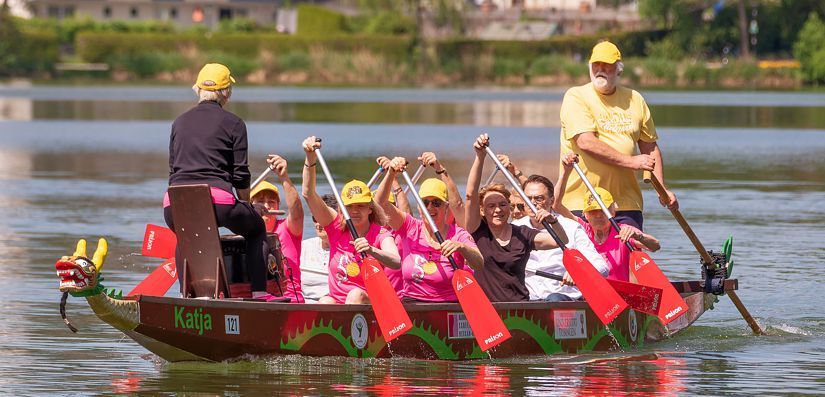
(643, 266)
(160, 242)
(392, 318)
(643, 298)
(706, 258)
(604, 300)
(485, 322)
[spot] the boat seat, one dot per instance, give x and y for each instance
(203, 272)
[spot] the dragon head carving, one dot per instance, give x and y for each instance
(79, 275)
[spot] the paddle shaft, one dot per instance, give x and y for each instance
(524, 197)
(601, 203)
(375, 176)
(660, 190)
(491, 177)
(337, 195)
(426, 215)
(415, 178)
(651, 178)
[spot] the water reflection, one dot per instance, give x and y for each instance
(483, 113)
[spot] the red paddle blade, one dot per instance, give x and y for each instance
(604, 300)
(642, 298)
(485, 322)
(157, 282)
(646, 272)
(159, 242)
(392, 318)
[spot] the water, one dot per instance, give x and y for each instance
(88, 162)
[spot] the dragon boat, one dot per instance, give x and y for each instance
(212, 327)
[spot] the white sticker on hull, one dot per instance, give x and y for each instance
(569, 324)
(359, 330)
(233, 324)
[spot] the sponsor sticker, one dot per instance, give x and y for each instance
(458, 327)
(632, 325)
(232, 324)
(569, 324)
(359, 331)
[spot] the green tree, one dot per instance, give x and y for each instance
(10, 36)
(809, 49)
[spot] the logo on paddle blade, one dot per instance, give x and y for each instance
(643, 261)
(170, 269)
(463, 283)
(673, 312)
(493, 338)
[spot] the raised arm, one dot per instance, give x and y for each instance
(472, 212)
(396, 215)
(514, 171)
(322, 213)
(453, 195)
(561, 184)
(295, 218)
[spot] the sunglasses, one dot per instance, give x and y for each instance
(520, 206)
(436, 203)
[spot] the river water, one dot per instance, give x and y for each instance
(83, 162)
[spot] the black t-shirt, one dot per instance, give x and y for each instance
(502, 277)
(209, 145)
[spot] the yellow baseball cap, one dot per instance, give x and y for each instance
(391, 198)
(433, 187)
(355, 192)
(590, 203)
(606, 52)
(264, 185)
(214, 76)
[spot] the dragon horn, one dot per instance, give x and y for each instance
(100, 253)
(81, 248)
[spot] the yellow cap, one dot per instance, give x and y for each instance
(264, 185)
(214, 76)
(433, 187)
(590, 203)
(355, 192)
(606, 52)
(391, 199)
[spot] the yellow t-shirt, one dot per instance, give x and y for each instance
(619, 120)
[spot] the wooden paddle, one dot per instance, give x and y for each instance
(706, 259)
(641, 298)
(485, 322)
(642, 265)
(390, 313)
(602, 299)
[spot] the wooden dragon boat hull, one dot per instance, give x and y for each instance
(178, 329)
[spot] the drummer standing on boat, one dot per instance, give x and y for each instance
(604, 122)
(208, 145)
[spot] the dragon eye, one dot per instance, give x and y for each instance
(83, 262)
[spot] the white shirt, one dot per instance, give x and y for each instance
(550, 261)
(314, 269)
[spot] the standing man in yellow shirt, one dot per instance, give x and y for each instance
(603, 123)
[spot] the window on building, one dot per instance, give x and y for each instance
(197, 15)
(225, 13)
(54, 12)
(173, 13)
(68, 12)
(133, 12)
(241, 13)
(107, 12)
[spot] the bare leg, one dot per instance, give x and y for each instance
(326, 300)
(357, 295)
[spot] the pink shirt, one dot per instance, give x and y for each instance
(394, 275)
(344, 270)
(613, 250)
(291, 248)
(219, 196)
(428, 274)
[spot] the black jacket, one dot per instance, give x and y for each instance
(208, 145)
